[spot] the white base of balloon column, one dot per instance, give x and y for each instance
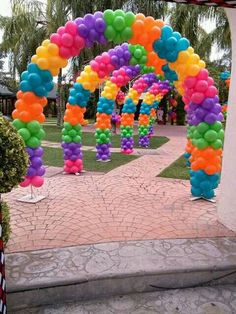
(195, 198)
(227, 204)
(31, 199)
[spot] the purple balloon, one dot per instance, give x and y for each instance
(41, 171)
(31, 172)
(30, 151)
(38, 152)
(89, 20)
(210, 118)
(83, 30)
(100, 25)
(36, 162)
(93, 35)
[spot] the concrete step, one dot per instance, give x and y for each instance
(207, 300)
(108, 269)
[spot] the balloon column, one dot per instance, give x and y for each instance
(120, 98)
(146, 36)
(225, 76)
(129, 108)
(152, 117)
(155, 92)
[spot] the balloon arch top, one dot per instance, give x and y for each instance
(147, 45)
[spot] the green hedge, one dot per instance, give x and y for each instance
(6, 228)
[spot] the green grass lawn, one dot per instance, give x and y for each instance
(177, 170)
(53, 134)
(54, 157)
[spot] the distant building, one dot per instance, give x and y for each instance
(7, 100)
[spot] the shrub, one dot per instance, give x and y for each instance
(13, 167)
(14, 160)
(6, 228)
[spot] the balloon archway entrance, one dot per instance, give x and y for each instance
(152, 47)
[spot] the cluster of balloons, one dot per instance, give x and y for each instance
(72, 156)
(116, 119)
(103, 152)
(68, 40)
(156, 62)
(78, 95)
(209, 111)
(187, 64)
(207, 135)
(91, 28)
(36, 169)
(146, 30)
(31, 132)
(170, 75)
(120, 77)
(105, 105)
(199, 87)
(71, 133)
(103, 144)
(29, 107)
(118, 25)
(36, 80)
(48, 58)
(207, 159)
(74, 114)
(139, 55)
(120, 55)
(170, 44)
(187, 156)
(127, 144)
(110, 90)
(89, 79)
(102, 65)
(224, 110)
(203, 185)
(152, 118)
(120, 97)
(226, 77)
(103, 121)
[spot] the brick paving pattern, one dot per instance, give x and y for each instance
(128, 203)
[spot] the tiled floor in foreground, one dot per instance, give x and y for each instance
(128, 203)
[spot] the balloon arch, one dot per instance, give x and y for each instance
(148, 46)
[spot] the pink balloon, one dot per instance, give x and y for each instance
(61, 30)
(71, 28)
(197, 97)
(56, 39)
(201, 86)
(65, 52)
(79, 42)
(190, 82)
(211, 91)
(69, 163)
(67, 40)
(25, 183)
(203, 74)
(94, 65)
(37, 181)
(106, 58)
(74, 169)
(101, 74)
(210, 81)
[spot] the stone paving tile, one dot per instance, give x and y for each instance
(128, 203)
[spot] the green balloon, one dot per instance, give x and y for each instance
(67, 126)
(132, 48)
(210, 135)
(143, 60)
(24, 133)
(99, 141)
(217, 144)
(103, 136)
(217, 126)
(18, 124)
(110, 33)
(126, 34)
(221, 134)
(77, 139)
(138, 53)
(67, 138)
(119, 13)
(202, 127)
(107, 132)
(33, 126)
(108, 16)
(33, 142)
(63, 131)
(77, 127)
(201, 143)
(117, 39)
(41, 134)
(119, 23)
(196, 134)
(72, 133)
(129, 18)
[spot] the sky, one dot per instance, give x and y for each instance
(5, 10)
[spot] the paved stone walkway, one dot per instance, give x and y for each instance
(206, 300)
(128, 203)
